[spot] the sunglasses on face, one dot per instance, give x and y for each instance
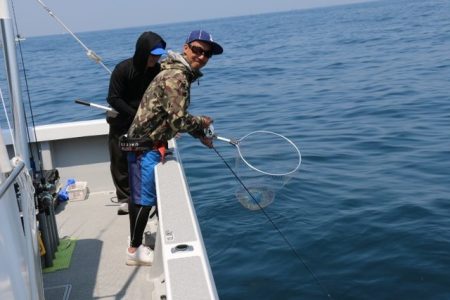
(200, 51)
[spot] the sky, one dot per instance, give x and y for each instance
(92, 15)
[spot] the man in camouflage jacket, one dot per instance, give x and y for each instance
(163, 109)
(162, 114)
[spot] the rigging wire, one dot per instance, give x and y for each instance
(90, 53)
(297, 255)
(39, 150)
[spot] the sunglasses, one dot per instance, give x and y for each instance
(200, 51)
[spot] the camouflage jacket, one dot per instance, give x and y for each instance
(163, 111)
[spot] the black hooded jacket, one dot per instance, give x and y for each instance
(130, 79)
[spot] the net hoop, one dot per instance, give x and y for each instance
(264, 172)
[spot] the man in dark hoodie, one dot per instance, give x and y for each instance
(128, 83)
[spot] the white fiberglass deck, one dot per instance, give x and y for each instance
(97, 269)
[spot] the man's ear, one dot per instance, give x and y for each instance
(185, 47)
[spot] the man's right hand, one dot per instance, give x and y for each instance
(206, 121)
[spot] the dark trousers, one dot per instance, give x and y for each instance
(119, 165)
(139, 215)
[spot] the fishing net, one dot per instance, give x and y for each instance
(265, 162)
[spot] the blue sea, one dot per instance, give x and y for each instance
(362, 89)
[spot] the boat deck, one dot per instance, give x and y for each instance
(97, 269)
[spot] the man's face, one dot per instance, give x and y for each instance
(197, 54)
(152, 60)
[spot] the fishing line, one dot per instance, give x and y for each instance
(276, 227)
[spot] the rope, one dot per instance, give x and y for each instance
(277, 229)
(27, 200)
(8, 122)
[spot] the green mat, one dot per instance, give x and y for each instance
(63, 255)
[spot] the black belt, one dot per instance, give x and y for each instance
(135, 144)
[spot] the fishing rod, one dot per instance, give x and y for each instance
(109, 110)
(90, 53)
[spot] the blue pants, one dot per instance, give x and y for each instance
(141, 169)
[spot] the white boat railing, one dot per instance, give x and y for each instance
(180, 256)
(20, 264)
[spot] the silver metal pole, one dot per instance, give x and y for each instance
(12, 72)
(22, 150)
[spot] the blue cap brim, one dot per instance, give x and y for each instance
(158, 51)
(216, 48)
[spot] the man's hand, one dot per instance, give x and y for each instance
(206, 121)
(208, 142)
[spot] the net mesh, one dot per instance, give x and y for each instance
(265, 163)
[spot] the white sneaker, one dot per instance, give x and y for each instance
(123, 209)
(142, 257)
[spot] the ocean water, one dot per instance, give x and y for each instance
(362, 89)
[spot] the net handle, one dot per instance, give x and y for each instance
(223, 139)
(236, 143)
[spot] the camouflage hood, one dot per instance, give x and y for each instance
(163, 111)
(177, 61)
